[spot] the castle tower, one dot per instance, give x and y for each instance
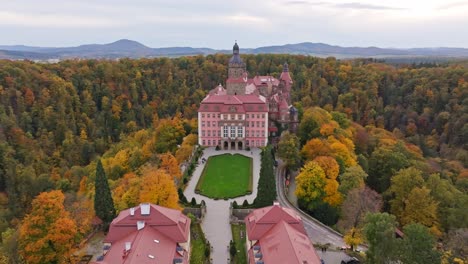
(235, 83)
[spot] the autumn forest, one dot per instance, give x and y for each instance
(382, 137)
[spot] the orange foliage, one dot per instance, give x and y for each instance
(47, 234)
(329, 166)
(170, 165)
(315, 147)
(328, 128)
(159, 188)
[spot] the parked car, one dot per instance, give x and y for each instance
(350, 260)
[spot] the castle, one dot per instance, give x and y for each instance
(248, 110)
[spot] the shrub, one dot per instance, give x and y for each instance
(217, 147)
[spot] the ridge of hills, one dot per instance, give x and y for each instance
(129, 48)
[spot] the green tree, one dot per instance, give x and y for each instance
(288, 150)
(353, 177)
(383, 164)
(418, 246)
(103, 203)
(379, 231)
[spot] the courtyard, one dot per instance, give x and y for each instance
(226, 176)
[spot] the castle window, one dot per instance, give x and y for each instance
(225, 131)
(208, 115)
(263, 124)
(263, 115)
(203, 142)
(208, 123)
(209, 142)
(214, 124)
(233, 132)
(247, 116)
(209, 133)
(203, 133)
(203, 123)
(203, 115)
(239, 131)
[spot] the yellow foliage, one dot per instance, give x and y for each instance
(159, 188)
(310, 182)
(333, 196)
(353, 237)
(340, 150)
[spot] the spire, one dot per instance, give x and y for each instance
(235, 49)
(285, 67)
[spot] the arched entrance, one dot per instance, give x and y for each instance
(233, 145)
(225, 145)
(239, 145)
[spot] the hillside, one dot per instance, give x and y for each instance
(57, 119)
(132, 49)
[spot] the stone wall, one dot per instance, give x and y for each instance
(238, 215)
(199, 213)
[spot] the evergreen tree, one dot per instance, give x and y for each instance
(103, 203)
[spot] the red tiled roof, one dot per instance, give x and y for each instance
(163, 228)
(223, 103)
(143, 246)
(263, 80)
(284, 244)
(261, 220)
(286, 77)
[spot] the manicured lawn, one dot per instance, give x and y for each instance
(241, 255)
(226, 176)
(198, 244)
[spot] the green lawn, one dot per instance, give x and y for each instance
(226, 176)
(241, 256)
(198, 244)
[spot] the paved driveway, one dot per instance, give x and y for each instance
(216, 224)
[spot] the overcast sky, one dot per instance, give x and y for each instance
(253, 23)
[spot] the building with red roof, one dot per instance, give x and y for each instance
(147, 233)
(248, 110)
(276, 235)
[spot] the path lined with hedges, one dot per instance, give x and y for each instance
(216, 224)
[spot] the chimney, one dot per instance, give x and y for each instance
(128, 246)
(276, 203)
(145, 208)
(140, 225)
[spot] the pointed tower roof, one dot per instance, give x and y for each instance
(285, 74)
(235, 55)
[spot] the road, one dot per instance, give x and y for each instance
(317, 232)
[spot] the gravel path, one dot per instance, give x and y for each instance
(216, 221)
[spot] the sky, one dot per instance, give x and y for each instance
(253, 23)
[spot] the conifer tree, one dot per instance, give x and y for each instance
(103, 203)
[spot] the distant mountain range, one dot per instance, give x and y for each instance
(133, 49)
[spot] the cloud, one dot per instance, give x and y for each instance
(453, 5)
(351, 5)
(357, 5)
(55, 20)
